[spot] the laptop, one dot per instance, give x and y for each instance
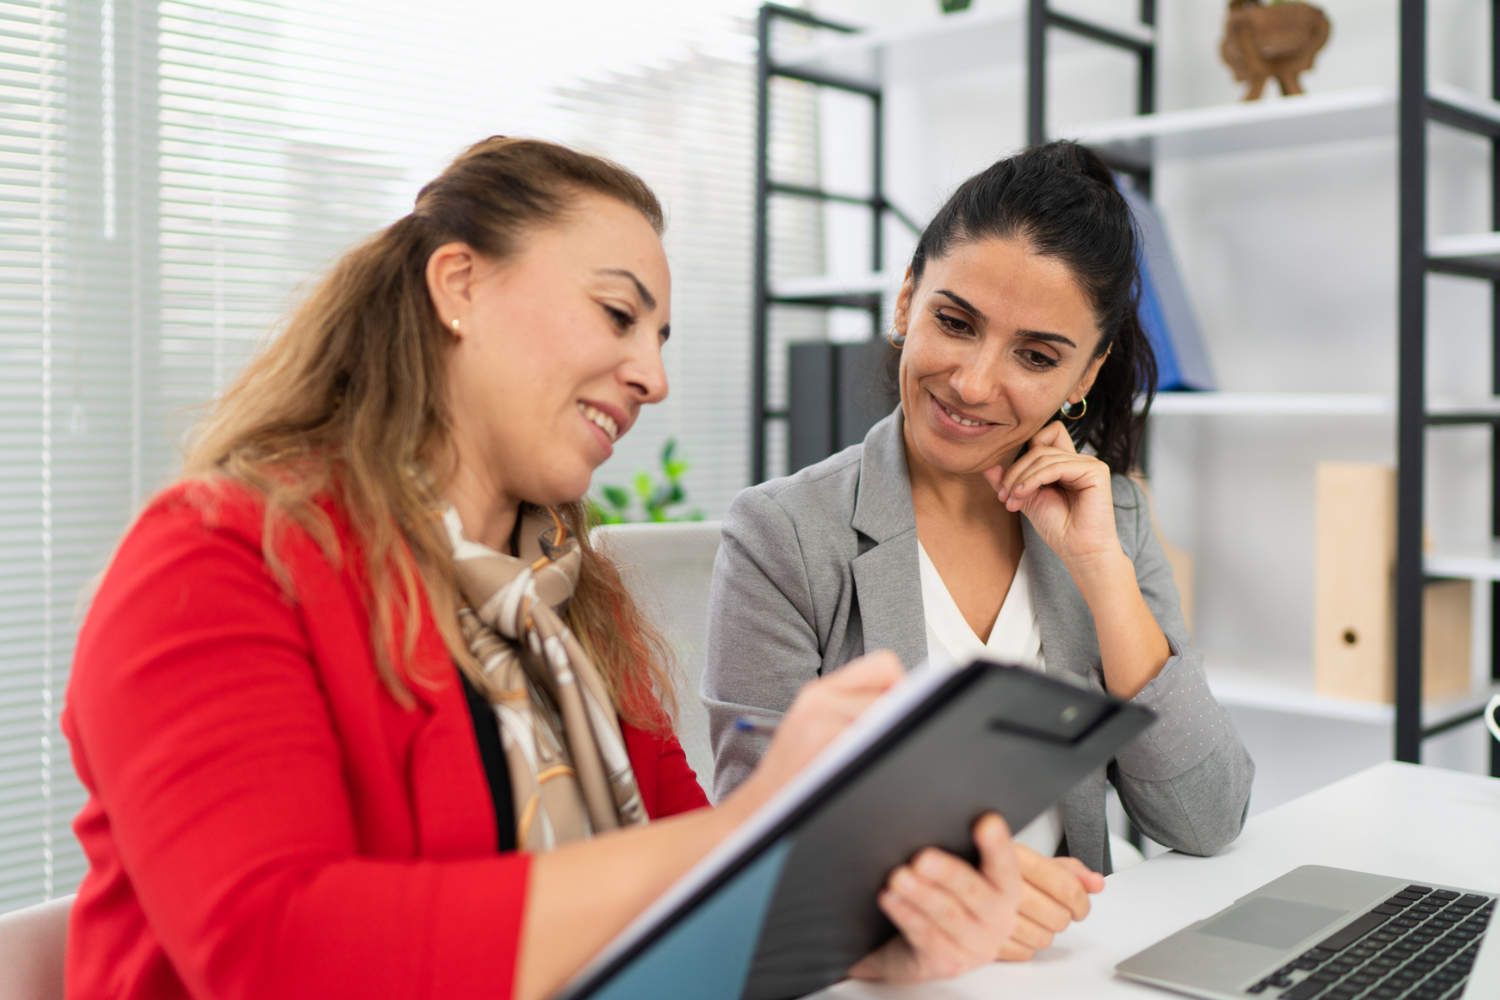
(1321, 933)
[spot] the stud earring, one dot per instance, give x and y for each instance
(898, 340)
(1067, 411)
(455, 324)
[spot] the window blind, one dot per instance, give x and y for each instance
(54, 506)
(174, 173)
(688, 128)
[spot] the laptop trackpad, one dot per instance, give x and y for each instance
(1275, 923)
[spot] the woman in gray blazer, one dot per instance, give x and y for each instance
(974, 510)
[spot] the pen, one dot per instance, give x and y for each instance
(755, 724)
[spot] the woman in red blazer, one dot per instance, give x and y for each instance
(285, 697)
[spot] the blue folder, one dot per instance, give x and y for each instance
(1166, 313)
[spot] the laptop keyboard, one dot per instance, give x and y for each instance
(1417, 945)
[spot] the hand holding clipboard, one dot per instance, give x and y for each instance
(788, 903)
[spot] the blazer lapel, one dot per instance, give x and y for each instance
(451, 805)
(1070, 650)
(1069, 647)
(887, 576)
(888, 587)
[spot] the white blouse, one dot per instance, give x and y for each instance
(1015, 638)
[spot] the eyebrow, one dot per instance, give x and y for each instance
(967, 306)
(646, 295)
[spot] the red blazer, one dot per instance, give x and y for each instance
(264, 820)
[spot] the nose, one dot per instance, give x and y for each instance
(643, 371)
(977, 376)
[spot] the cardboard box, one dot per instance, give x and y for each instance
(1354, 594)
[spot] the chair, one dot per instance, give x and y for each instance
(32, 943)
(668, 568)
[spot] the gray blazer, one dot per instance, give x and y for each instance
(817, 568)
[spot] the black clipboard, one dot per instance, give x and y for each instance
(787, 904)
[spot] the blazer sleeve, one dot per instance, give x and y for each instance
(666, 779)
(762, 638)
(1186, 781)
(198, 725)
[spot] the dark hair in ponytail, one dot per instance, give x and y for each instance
(1061, 200)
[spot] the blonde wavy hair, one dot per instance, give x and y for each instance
(348, 404)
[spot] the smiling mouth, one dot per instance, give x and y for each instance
(602, 420)
(966, 422)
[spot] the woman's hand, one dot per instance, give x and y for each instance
(1066, 497)
(1055, 892)
(952, 917)
(823, 709)
(584, 893)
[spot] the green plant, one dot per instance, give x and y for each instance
(655, 497)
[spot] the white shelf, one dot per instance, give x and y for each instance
(1475, 564)
(953, 43)
(1288, 688)
(1303, 404)
(1440, 407)
(1360, 113)
(1476, 249)
(1463, 100)
(1295, 404)
(825, 286)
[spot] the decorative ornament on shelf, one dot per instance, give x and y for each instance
(950, 6)
(1279, 40)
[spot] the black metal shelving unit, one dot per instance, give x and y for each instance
(1040, 20)
(767, 187)
(1418, 108)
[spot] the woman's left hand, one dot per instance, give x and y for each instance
(1055, 893)
(1066, 497)
(952, 917)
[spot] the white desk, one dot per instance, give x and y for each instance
(1420, 823)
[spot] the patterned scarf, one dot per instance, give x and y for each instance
(569, 773)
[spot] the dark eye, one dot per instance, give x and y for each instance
(1037, 360)
(952, 323)
(621, 319)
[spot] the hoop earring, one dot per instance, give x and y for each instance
(1083, 405)
(898, 340)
